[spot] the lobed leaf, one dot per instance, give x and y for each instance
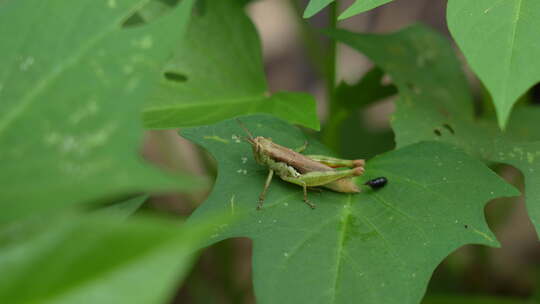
(217, 73)
(378, 246)
(500, 41)
(435, 104)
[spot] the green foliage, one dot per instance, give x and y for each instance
(366, 91)
(381, 246)
(315, 6)
(81, 259)
(343, 129)
(499, 40)
(80, 79)
(496, 37)
(358, 7)
(450, 299)
(72, 88)
(435, 104)
(217, 73)
(123, 210)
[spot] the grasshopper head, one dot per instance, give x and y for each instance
(260, 145)
(256, 142)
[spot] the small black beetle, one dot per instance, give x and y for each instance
(377, 183)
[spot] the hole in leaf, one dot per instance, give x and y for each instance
(449, 128)
(535, 94)
(437, 132)
(466, 226)
(174, 76)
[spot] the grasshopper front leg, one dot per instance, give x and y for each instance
(298, 181)
(266, 185)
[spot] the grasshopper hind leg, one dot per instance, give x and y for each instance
(318, 190)
(337, 162)
(303, 184)
(311, 205)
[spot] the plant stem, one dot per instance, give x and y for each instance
(310, 37)
(332, 58)
(335, 113)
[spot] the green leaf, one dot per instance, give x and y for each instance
(367, 90)
(416, 53)
(452, 299)
(358, 7)
(217, 73)
(94, 260)
(344, 125)
(435, 104)
(125, 209)
(500, 41)
(72, 84)
(378, 246)
(523, 125)
(315, 6)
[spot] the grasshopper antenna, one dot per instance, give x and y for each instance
(250, 139)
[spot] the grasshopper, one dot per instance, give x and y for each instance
(303, 170)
